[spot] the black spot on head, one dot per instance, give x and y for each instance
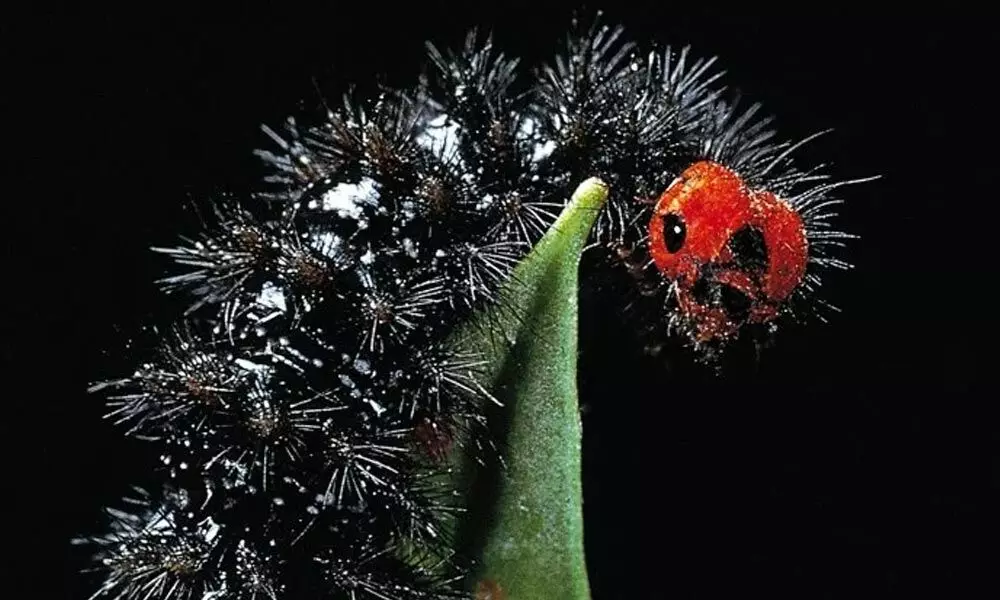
(674, 232)
(749, 250)
(736, 304)
(708, 291)
(705, 290)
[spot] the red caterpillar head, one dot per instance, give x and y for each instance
(734, 254)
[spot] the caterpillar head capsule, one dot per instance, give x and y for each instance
(733, 254)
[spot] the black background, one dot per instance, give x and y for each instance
(858, 461)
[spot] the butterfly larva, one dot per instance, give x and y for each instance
(309, 396)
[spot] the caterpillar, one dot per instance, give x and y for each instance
(306, 399)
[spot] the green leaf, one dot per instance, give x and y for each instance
(524, 522)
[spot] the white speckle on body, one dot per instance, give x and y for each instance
(439, 136)
(271, 296)
(543, 151)
(378, 408)
(349, 199)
